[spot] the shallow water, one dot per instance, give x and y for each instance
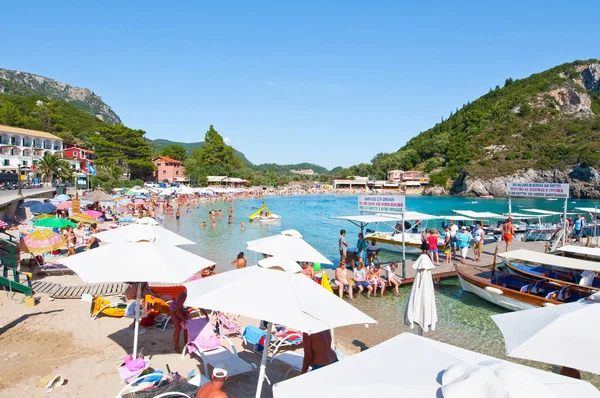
(464, 319)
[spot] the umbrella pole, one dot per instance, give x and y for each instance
(137, 320)
(263, 361)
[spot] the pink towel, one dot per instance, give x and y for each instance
(202, 335)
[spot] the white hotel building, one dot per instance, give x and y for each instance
(20, 147)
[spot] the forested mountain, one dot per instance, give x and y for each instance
(548, 122)
(23, 83)
(159, 144)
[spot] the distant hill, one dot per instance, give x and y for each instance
(546, 123)
(160, 143)
(22, 83)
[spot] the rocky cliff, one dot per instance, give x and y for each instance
(23, 83)
(584, 182)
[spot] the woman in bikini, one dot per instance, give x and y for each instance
(374, 278)
(71, 242)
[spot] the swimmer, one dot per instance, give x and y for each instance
(203, 224)
(177, 214)
(243, 225)
(214, 223)
(230, 219)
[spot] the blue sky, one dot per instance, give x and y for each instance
(332, 83)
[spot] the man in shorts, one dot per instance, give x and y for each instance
(453, 232)
(343, 245)
(508, 232)
(478, 236)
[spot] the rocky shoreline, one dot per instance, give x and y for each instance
(584, 183)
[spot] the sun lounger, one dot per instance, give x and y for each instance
(209, 347)
(228, 324)
(284, 339)
(296, 359)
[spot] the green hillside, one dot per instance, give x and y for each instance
(550, 120)
(160, 143)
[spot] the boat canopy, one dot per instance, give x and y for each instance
(456, 218)
(585, 251)
(410, 216)
(587, 209)
(521, 216)
(479, 215)
(366, 219)
(545, 212)
(551, 259)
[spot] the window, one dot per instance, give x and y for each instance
(6, 162)
(158, 164)
(75, 154)
(34, 144)
(24, 163)
(177, 173)
(164, 172)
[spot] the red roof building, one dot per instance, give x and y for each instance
(79, 156)
(168, 170)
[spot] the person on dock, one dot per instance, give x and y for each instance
(372, 250)
(432, 241)
(341, 280)
(375, 279)
(478, 237)
(240, 261)
(425, 241)
(578, 227)
(508, 232)
(360, 278)
(463, 238)
(361, 246)
(318, 350)
(448, 244)
(453, 232)
(213, 389)
(343, 245)
(393, 279)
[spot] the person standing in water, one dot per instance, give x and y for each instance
(243, 225)
(177, 214)
(240, 261)
(230, 219)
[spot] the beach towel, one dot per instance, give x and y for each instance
(201, 334)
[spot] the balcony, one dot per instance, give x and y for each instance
(27, 144)
(57, 148)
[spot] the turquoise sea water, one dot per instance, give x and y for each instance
(464, 319)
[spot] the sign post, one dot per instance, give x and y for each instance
(540, 190)
(390, 204)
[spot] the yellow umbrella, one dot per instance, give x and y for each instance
(82, 218)
(40, 216)
(42, 241)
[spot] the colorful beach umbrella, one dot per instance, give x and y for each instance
(42, 241)
(124, 202)
(43, 208)
(64, 205)
(82, 218)
(92, 213)
(122, 209)
(139, 202)
(30, 203)
(40, 216)
(3, 224)
(53, 222)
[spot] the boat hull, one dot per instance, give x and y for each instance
(494, 298)
(512, 269)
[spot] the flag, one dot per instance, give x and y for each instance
(91, 169)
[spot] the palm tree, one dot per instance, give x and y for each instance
(51, 165)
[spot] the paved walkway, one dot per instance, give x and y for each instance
(7, 197)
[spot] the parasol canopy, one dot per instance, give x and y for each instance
(53, 222)
(43, 207)
(42, 241)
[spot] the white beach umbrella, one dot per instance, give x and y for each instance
(287, 246)
(140, 261)
(421, 308)
(431, 370)
(276, 296)
(137, 232)
(561, 335)
(283, 263)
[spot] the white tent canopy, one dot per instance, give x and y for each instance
(410, 216)
(416, 376)
(133, 232)
(562, 335)
(456, 218)
(551, 259)
(285, 246)
(587, 209)
(367, 218)
(582, 250)
(544, 212)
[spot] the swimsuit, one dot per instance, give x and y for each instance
(315, 367)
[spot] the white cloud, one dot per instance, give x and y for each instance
(226, 139)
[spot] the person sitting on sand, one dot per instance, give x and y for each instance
(93, 242)
(71, 242)
(213, 389)
(240, 261)
(360, 278)
(307, 270)
(374, 278)
(318, 350)
(341, 280)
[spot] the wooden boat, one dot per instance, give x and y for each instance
(539, 271)
(515, 292)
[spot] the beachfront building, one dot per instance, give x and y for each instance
(20, 148)
(353, 182)
(409, 179)
(227, 181)
(168, 170)
(78, 156)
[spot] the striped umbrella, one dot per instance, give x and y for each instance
(43, 241)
